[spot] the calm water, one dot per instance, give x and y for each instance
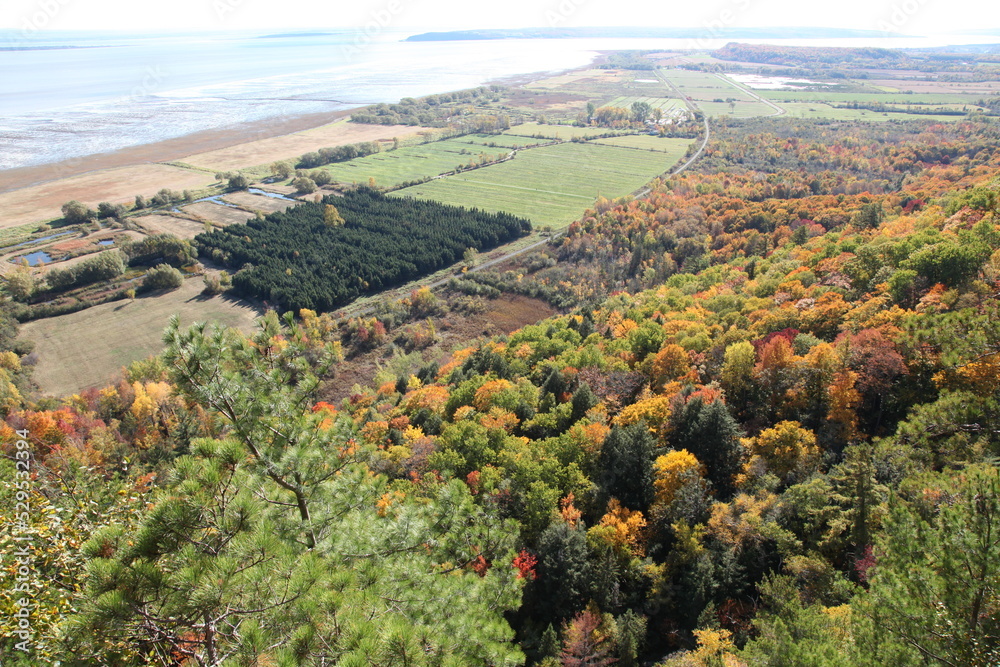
(116, 91)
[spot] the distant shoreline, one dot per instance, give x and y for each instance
(199, 142)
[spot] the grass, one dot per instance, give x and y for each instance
(416, 162)
(87, 348)
(552, 185)
(702, 86)
(818, 110)
(675, 147)
(626, 101)
(886, 98)
(741, 110)
(565, 132)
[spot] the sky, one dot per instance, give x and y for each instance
(912, 17)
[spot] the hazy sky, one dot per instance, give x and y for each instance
(916, 17)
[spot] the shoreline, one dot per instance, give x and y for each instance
(205, 141)
(167, 150)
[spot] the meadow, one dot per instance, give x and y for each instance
(102, 339)
(819, 110)
(552, 185)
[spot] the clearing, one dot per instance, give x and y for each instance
(87, 348)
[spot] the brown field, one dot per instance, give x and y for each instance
(970, 87)
(217, 213)
(87, 349)
(257, 202)
(290, 146)
(579, 77)
(167, 224)
(41, 203)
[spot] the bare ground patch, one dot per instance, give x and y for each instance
(290, 146)
(42, 203)
(217, 213)
(258, 202)
(183, 228)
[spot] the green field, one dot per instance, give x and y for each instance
(741, 110)
(701, 86)
(626, 102)
(565, 132)
(675, 147)
(818, 110)
(885, 98)
(415, 162)
(551, 185)
(86, 349)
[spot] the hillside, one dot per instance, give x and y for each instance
(763, 431)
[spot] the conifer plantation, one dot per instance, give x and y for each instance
(320, 255)
(762, 430)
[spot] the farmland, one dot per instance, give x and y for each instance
(819, 110)
(102, 339)
(390, 168)
(552, 185)
(664, 103)
(675, 147)
(564, 132)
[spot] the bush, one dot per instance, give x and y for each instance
(74, 212)
(304, 185)
(162, 276)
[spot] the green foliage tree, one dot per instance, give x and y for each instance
(75, 213)
(626, 466)
(935, 591)
(162, 276)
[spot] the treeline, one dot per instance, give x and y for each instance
(815, 56)
(430, 111)
(321, 255)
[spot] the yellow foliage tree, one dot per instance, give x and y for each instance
(670, 472)
(787, 450)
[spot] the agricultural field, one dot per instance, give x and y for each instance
(217, 214)
(183, 228)
(42, 203)
(266, 151)
(552, 185)
(702, 86)
(674, 147)
(252, 202)
(84, 349)
(664, 103)
(739, 110)
(412, 163)
(564, 132)
(884, 98)
(580, 77)
(819, 110)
